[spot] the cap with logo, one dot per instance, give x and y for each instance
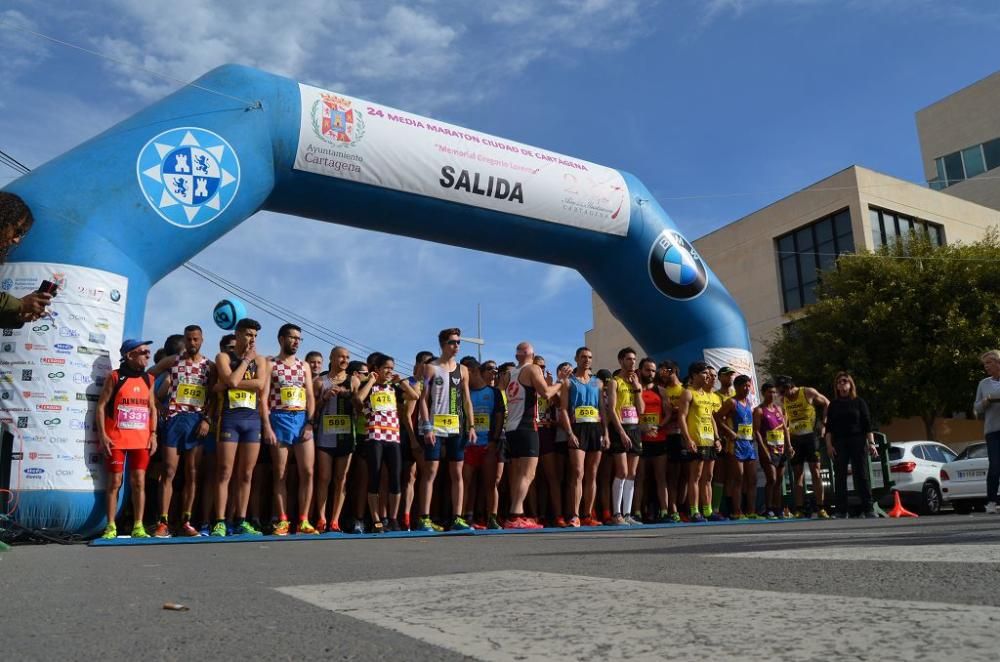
(132, 343)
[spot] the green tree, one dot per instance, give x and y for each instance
(909, 321)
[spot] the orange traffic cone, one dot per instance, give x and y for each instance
(897, 508)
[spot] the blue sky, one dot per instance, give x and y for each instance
(719, 106)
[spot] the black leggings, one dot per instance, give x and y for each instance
(389, 453)
(855, 451)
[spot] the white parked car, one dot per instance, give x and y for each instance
(963, 482)
(915, 468)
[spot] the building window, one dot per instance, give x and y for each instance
(965, 164)
(889, 227)
(805, 252)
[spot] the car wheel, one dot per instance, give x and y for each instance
(930, 503)
(963, 507)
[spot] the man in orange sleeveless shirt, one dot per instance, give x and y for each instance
(126, 423)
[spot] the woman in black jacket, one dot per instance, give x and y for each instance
(848, 438)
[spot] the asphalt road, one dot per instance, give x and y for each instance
(864, 589)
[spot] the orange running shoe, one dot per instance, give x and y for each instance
(334, 527)
(306, 528)
(281, 528)
(560, 523)
(188, 531)
(573, 523)
(161, 530)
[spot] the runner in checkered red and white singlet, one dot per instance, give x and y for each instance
(191, 377)
(289, 409)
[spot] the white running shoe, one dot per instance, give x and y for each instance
(991, 508)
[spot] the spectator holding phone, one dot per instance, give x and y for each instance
(15, 221)
(987, 406)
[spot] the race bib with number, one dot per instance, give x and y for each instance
(336, 424)
(775, 437)
(192, 395)
(585, 414)
(383, 401)
(240, 399)
(799, 427)
(293, 397)
(706, 432)
(446, 423)
(132, 418)
(482, 423)
(651, 421)
(744, 431)
(630, 416)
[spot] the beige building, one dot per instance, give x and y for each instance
(768, 260)
(960, 142)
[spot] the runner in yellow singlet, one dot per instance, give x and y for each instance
(800, 403)
(695, 412)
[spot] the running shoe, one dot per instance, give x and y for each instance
(632, 520)
(573, 523)
(786, 514)
(800, 514)
(334, 527)
(532, 523)
(139, 531)
(991, 508)
(188, 531)
(248, 529)
(110, 532)
(514, 522)
(459, 524)
(616, 520)
(717, 517)
(560, 523)
(377, 527)
(205, 531)
(590, 521)
(219, 530)
(740, 518)
(770, 515)
(493, 523)
(359, 527)
(675, 518)
(752, 516)
(392, 525)
(479, 525)
(698, 518)
(437, 527)
(425, 524)
(281, 528)
(305, 528)
(684, 517)
(822, 514)
(321, 526)
(161, 530)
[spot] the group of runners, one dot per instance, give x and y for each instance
(354, 444)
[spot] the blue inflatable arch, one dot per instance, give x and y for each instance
(123, 210)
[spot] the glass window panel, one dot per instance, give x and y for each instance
(808, 263)
(918, 452)
(876, 236)
(973, 158)
(937, 235)
(845, 243)
(803, 239)
(842, 223)
(889, 228)
(824, 230)
(786, 245)
(938, 184)
(793, 299)
(827, 254)
(789, 272)
(939, 166)
(953, 167)
(808, 294)
(991, 150)
(905, 226)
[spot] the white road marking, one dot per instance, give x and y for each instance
(902, 553)
(520, 615)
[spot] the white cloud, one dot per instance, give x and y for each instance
(20, 51)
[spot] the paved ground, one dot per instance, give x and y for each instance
(908, 589)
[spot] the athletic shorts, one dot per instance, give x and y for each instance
(677, 450)
(288, 426)
(475, 456)
(239, 426)
(706, 453)
(522, 443)
(138, 460)
(453, 446)
(778, 458)
(340, 445)
(655, 449)
(181, 431)
(634, 435)
(745, 450)
(501, 451)
(588, 435)
(805, 448)
(546, 441)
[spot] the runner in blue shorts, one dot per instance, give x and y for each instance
(289, 405)
(735, 422)
(243, 379)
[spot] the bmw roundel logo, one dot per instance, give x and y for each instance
(115, 296)
(188, 175)
(675, 266)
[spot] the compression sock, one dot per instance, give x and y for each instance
(617, 489)
(627, 494)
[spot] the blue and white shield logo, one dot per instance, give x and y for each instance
(188, 175)
(675, 267)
